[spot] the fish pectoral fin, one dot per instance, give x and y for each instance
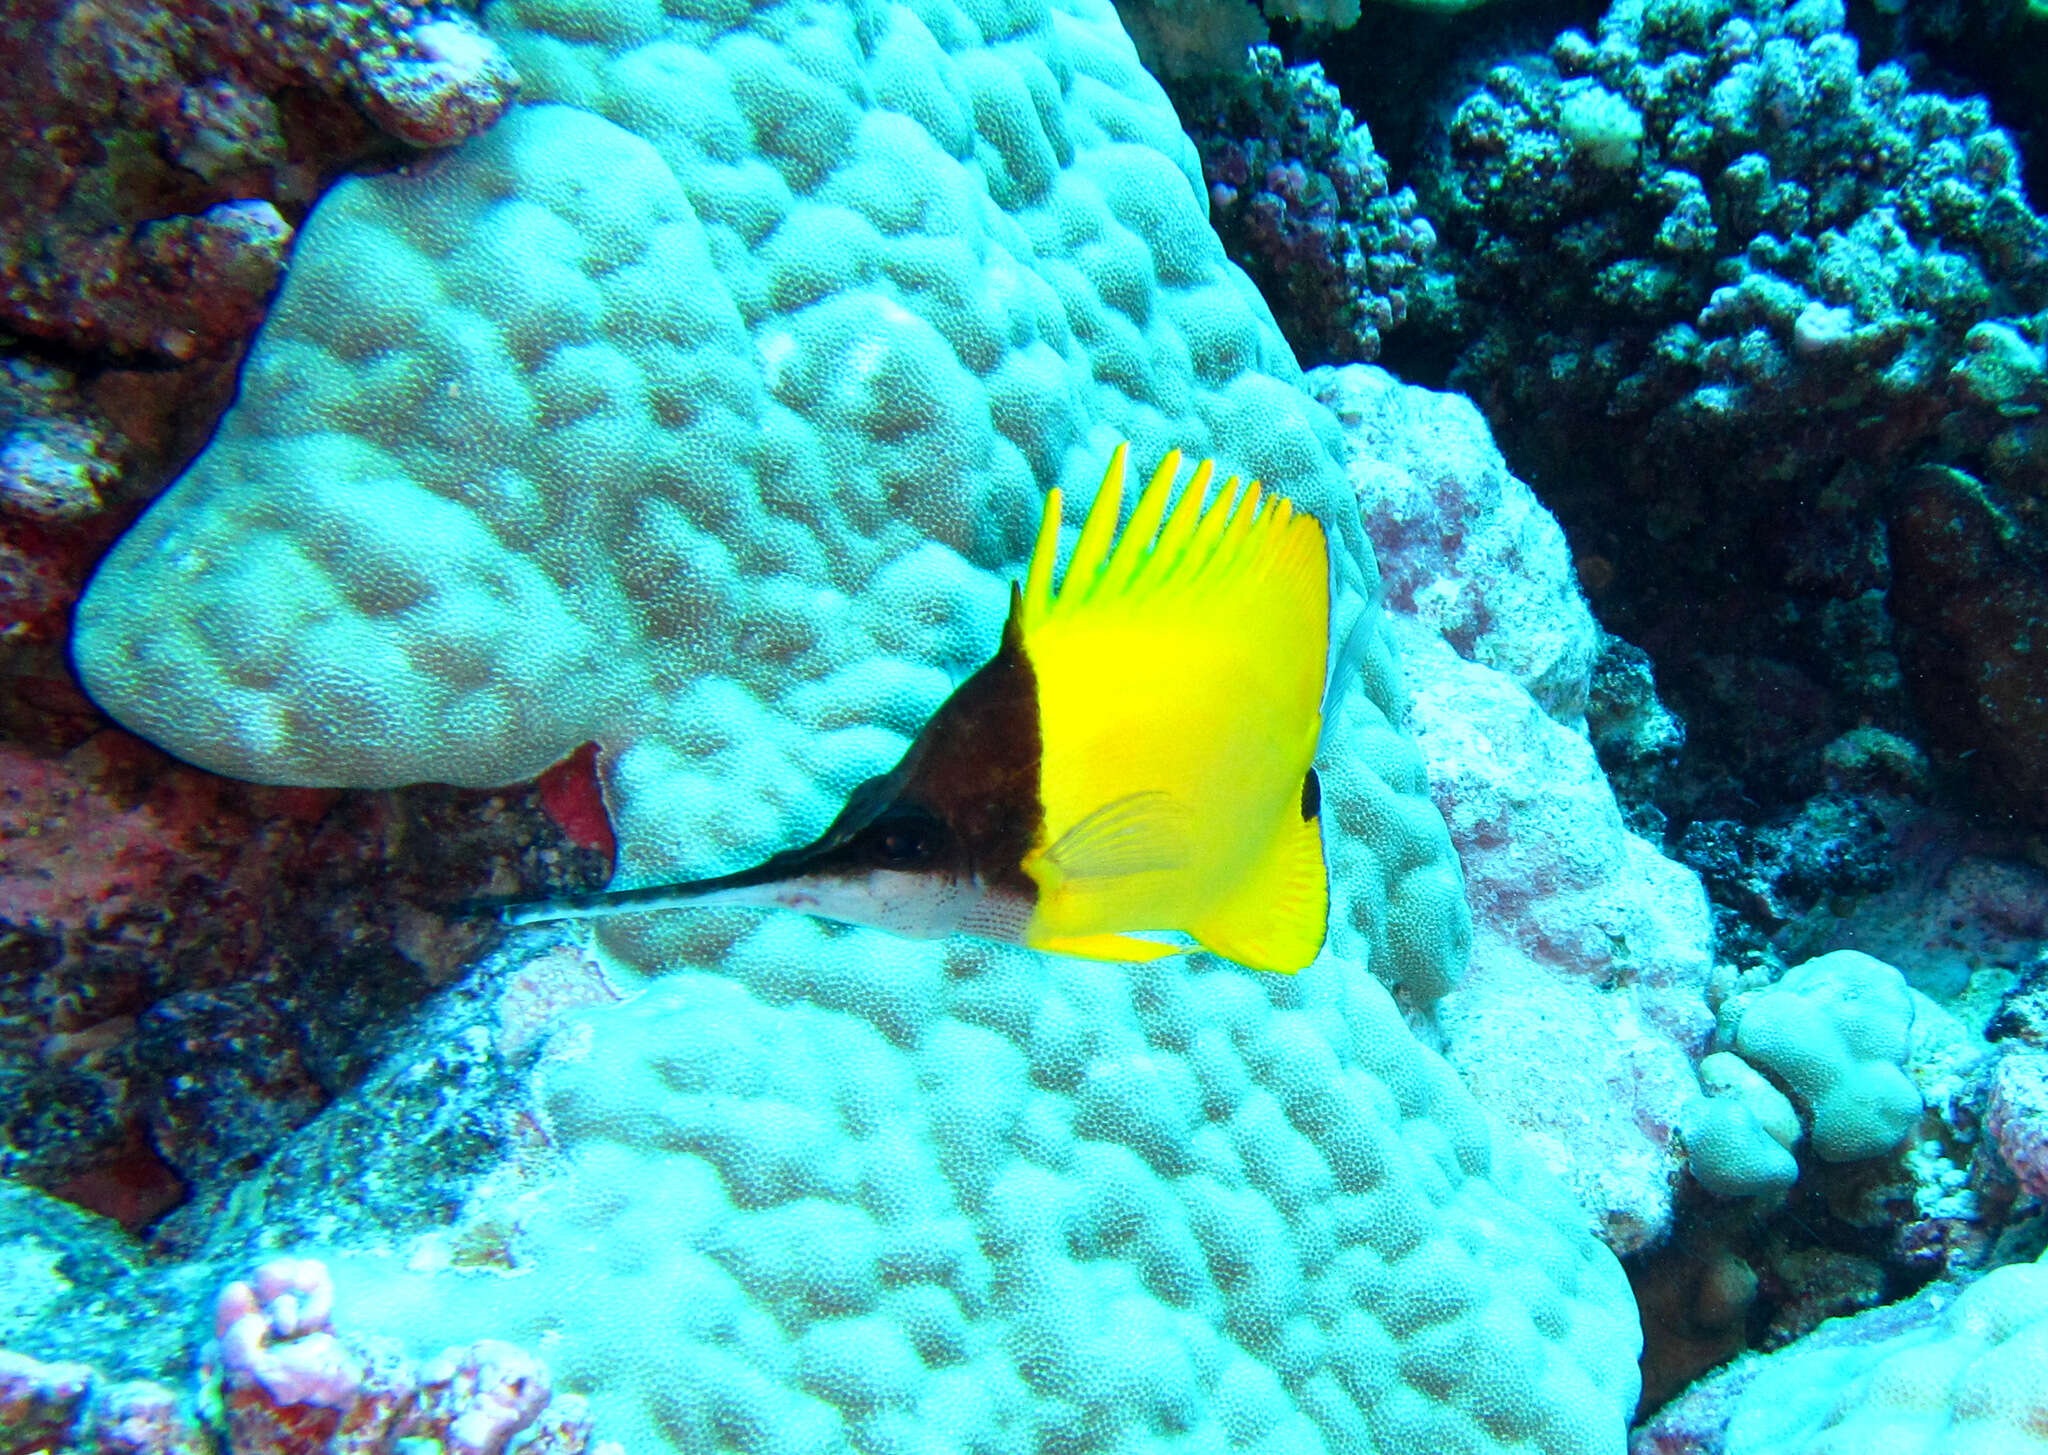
(1124, 948)
(1139, 833)
(1276, 916)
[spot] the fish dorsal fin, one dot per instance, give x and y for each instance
(1244, 548)
(1140, 833)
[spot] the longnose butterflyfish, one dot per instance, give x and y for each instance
(1137, 758)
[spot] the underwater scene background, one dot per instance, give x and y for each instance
(458, 457)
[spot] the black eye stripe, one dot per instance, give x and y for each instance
(1311, 796)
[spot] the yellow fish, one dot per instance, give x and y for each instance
(1137, 757)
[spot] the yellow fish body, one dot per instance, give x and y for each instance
(1180, 683)
(1136, 758)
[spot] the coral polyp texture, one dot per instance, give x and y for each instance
(1835, 1032)
(1739, 1136)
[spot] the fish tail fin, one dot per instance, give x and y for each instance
(1277, 916)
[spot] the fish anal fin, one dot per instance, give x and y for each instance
(1276, 917)
(1124, 948)
(1138, 833)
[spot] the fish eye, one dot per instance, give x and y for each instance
(903, 846)
(901, 840)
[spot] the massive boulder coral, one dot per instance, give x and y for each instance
(1590, 950)
(725, 462)
(1951, 1369)
(1465, 548)
(1836, 1031)
(844, 1191)
(1740, 1135)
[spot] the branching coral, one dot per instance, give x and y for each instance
(1300, 198)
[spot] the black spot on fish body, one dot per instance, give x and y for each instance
(1311, 797)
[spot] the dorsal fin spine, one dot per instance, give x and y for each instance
(1097, 533)
(1192, 542)
(1201, 551)
(1250, 506)
(1187, 513)
(1135, 545)
(1038, 583)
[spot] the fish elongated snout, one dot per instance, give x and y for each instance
(924, 906)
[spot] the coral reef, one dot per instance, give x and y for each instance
(285, 1381)
(519, 465)
(725, 466)
(278, 1378)
(1762, 246)
(1637, 737)
(1718, 283)
(158, 156)
(1980, 680)
(690, 493)
(1590, 951)
(2016, 1116)
(157, 160)
(1601, 948)
(1464, 546)
(1300, 199)
(191, 968)
(946, 1189)
(897, 1187)
(67, 1409)
(1740, 1135)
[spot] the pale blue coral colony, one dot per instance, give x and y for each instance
(701, 408)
